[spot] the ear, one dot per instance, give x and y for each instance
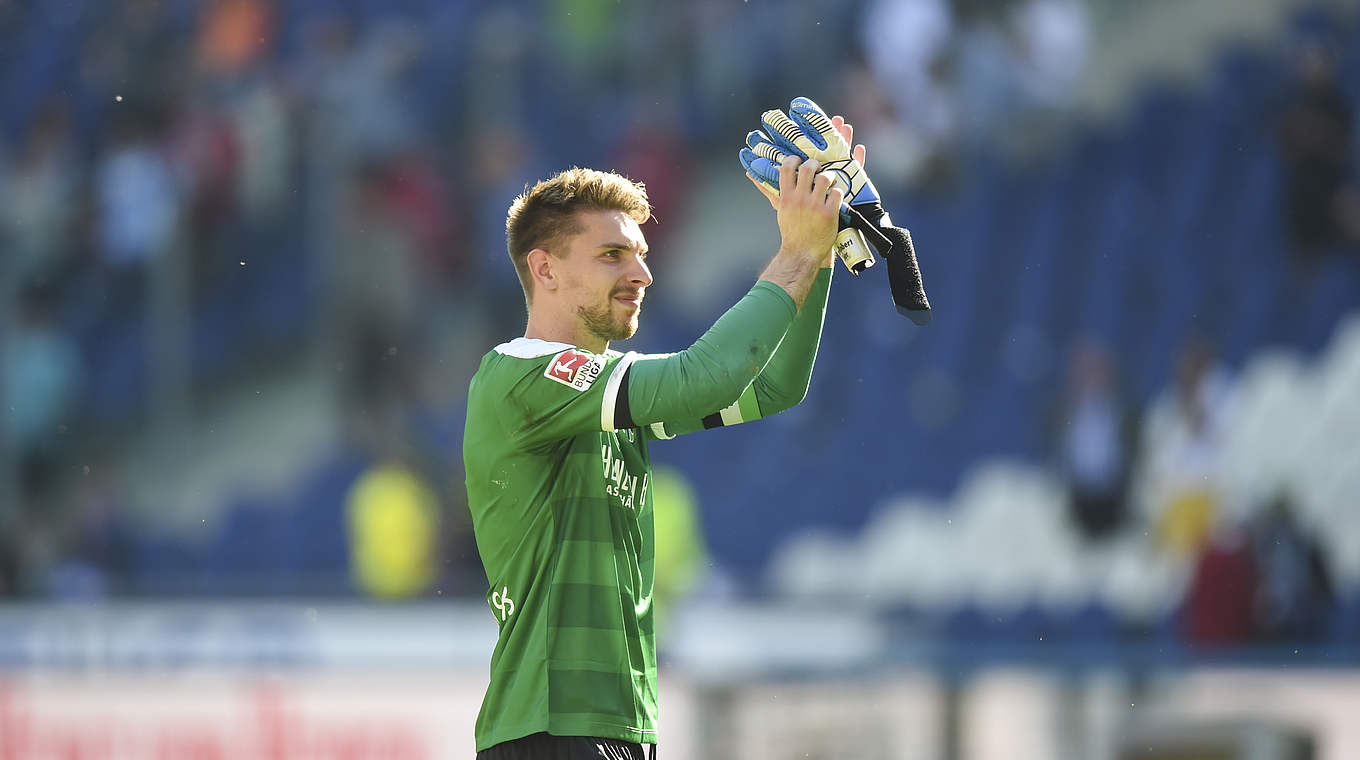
(541, 269)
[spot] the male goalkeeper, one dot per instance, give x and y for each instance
(555, 448)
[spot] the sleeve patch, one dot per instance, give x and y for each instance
(575, 369)
(659, 430)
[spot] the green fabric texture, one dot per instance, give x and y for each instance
(563, 511)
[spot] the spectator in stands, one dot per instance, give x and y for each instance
(987, 71)
(415, 194)
(1096, 442)
(98, 539)
(358, 107)
(1183, 447)
(1315, 137)
(1016, 64)
(682, 562)
(137, 202)
(393, 519)
(379, 103)
(412, 192)
(652, 151)
(41, 378)
(40, 196)
(233, 34)
(377, 297)
(503, 162)
(263, 121)
(1053, 41)
(1295, 598)
(898, 151)
(1219, 607)
(907, 44)
(1052, 47)
(205, 156)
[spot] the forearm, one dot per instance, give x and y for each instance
(784, 381)
(711, 374)
(794, 272)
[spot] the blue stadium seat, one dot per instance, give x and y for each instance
(314, 530)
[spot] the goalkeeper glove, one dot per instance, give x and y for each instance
(762, 158)
(806, 131)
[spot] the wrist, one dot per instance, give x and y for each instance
(793, 270)
(792, 252)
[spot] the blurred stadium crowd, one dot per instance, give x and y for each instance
(1136, 409)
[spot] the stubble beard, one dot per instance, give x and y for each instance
(601, 322)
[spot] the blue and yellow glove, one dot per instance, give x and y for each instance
(762, 157)
(806, 131)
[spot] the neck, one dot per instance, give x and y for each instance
(562, 329)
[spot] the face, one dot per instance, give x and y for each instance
(604, 275)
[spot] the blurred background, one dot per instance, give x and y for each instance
(1107, 505)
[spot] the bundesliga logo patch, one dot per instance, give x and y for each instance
(575, 369)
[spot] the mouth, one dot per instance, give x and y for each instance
(630, 299)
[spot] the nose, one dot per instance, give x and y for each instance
(641, 275)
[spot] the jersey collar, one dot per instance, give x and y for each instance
(531, 348)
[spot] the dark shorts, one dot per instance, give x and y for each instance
(548, 747)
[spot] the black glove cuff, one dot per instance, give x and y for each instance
(873, 233)
(904, 276)
(872, 212)
(894, 245)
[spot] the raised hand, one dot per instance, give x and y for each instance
(846, 130)
(808, 133)
(808, 208)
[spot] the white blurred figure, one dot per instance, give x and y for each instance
(1182, 481)
(264, 131)
(1053, 40)
(906, 42)
(899, 151)
(137, 199)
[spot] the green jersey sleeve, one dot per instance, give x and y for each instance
(780, 385)
(552, 391)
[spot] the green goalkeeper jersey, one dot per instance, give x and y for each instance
(555, 454)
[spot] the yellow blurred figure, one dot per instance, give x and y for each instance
(681, 554)
(1185, 525)
(392, 518)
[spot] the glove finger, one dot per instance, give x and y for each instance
(747, 158)
(760, 167)
(756, 137)
(788, 135)
(814, 122)
(762, 146)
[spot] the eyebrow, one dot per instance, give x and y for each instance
(623, 247)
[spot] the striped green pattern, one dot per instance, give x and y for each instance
(563, 519)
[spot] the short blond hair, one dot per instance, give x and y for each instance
(546, 214)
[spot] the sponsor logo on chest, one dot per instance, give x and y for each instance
(628, 488)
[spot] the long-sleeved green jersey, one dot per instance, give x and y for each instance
(555, 453)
